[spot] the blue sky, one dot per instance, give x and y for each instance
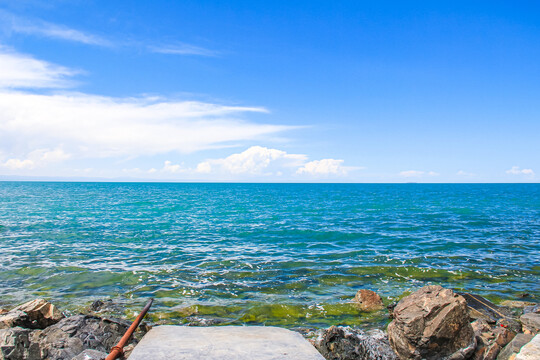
(350, 91)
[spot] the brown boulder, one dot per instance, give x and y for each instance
(432, 323)
(368, 300)
(35, 314)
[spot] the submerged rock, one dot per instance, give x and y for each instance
(35, 314)
(432, 323)
(368, 300)
(344, 343)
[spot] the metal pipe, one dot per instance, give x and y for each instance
(118, 350)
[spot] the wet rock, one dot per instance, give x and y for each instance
(532, 309)
(344, 343)
(90, 354)
(530, 322)
(199, 321)
(513, 347)
(530, 351)
(368, 300)
(72, 335)
(15, 345)
(482, 308)
(517, 304)
(432, 323)
(35, 314)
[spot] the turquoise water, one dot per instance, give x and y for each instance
(275, 254)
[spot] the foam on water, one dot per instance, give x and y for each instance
(276, 254)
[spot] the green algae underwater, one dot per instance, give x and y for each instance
(290, 255)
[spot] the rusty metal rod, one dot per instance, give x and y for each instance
(118, 350)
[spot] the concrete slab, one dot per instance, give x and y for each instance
(169, 342)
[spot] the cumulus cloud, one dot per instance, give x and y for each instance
(256, 160)
(323, 167)
(263, 161)
(417, 173)
(91, 126)
(36, 158)
(516, 170)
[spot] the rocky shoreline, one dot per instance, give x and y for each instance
(431, 323)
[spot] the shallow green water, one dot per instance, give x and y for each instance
(275, 254)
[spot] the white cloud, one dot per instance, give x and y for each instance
(16, 24)
(169, 167)
(323, 167)
(91, 126)
(36, 158)
(183, 49)
(256, 160)
(23, 71)
(464, 173)
(516, 170)
(417, 173)
(17, 164)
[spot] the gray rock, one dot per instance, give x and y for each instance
(15, 345)
(514, 346)
(90, 354)
(432, 323)
(344, 343)
(72, 335)
(530, 351)
(530, 322)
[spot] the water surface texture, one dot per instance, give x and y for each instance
(275, 254)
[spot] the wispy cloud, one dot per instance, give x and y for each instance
(23, 71)
(183, 49)
(516, 170)
(91, 126)
(16, 24)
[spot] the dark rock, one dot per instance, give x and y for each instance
(368, 300)
(90, 354)
(36, 314)
(344, 343)
(432, 323)
(15, 345)
(513, 347)
(485, 309)
(72, 335)
(530, 322)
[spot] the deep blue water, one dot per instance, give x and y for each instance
(288, 254)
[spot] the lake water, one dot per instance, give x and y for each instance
(276, 254)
